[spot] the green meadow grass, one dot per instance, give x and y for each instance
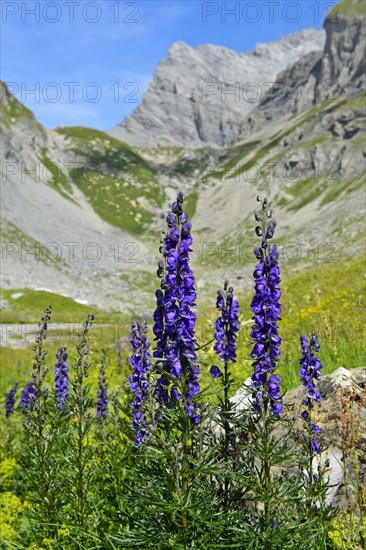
(67, 317)
(29, 307)
(329, 298)
(191, 203)
(115, 200)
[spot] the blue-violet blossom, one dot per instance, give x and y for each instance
(266, 308)
(10, 401)
(29, 396)
(174, 317)
(226, 328)
(61, 377)
(139, 383)
(309, 372)
(102, 402)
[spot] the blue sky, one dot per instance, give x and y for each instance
(89, 62)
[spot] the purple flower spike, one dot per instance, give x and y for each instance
(174, 317)
(10, 401)
(309, 372)
(314, 446)
(139, 382)
(28, 397)
(102, 403)
(266, 309)
(227, 325)
(61, 377)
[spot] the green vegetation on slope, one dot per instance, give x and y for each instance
(118, 182)
(12, 109)
(190, 203)
(349, 8)
(192, 166)
(344, 186)
(58, 179)
(268, 153)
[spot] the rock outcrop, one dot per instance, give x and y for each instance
(343, 396)
(318, 78)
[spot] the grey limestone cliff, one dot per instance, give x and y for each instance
(198, 96)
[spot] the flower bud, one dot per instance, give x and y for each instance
(171, 220)
(258, 231)
(271, 229)
(258, 253)
(258, 216)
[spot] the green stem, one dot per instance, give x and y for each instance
(184, 475)
(80, 437)
(267, 473)
(310, 449)
(226, 409)
(40, 439)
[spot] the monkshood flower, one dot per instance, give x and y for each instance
(174, 317)
(309, 372)
(102, 402)
(10, 401)
(61, 377)
(29, 396)
(266, 308)
(139, 383)
(226, 327)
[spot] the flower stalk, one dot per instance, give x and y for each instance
(266, 341)
(226, 328)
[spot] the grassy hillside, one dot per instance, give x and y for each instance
(57, 179)
(28, 307)
(119, 183)
(11, 109)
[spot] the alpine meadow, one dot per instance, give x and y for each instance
(183, 296)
